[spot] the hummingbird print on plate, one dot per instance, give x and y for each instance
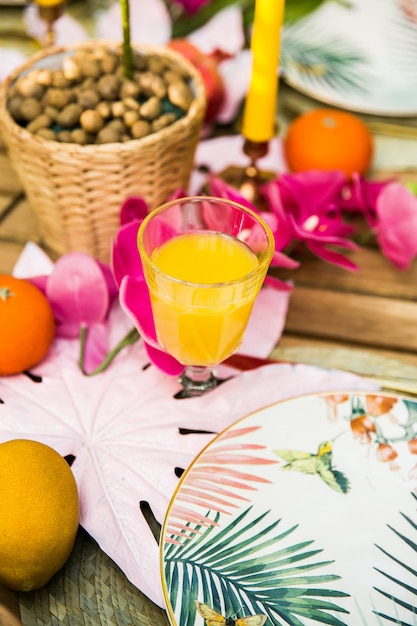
(319, 463)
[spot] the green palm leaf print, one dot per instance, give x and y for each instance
(331, 64)
(395, 583)
(256, 568)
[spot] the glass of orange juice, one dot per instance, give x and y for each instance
(204, 261)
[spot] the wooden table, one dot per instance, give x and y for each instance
(365, 322)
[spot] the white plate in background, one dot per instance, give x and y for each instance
(360, 57)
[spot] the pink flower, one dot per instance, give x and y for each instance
(306, 206)
(390, 209)
(134, 294)
(128, 272)
(81, 291)
(360, 195)
(219, 188)
(396, 225)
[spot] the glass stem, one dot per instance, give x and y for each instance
(198, 379)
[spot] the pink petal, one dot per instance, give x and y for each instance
(218, 187)
(361, 195)
(135, 301)
(164, 361)
(331, 256)
(96, 346)
(69, 330)
(133, 208)
(283, 231)
(280, 259)
(312, 191)
(40, 282)
(325, 231)
(110, 282)
(396, 229)
(178, 193)
(77, 289)
(275, 283)
(125, 254)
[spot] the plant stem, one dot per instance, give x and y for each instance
(131, 337)
(127, 49)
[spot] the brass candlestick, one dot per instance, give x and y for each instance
(250, 179)
(49, 13)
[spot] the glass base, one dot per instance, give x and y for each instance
(197, 380)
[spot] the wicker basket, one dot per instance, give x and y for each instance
(76, 191)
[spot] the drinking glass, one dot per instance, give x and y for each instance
(204, 260)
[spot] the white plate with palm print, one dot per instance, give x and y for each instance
(356, 54)
(302, 513)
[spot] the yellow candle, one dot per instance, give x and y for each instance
(261, 100)
(48, 3)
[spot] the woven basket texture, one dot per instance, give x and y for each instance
(76, 191)
(90, 590)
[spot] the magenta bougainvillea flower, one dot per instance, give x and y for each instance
(218, 187)
(310, 207)
(307, 207)
(302, 208)
(359, 196)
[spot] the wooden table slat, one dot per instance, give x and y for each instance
(376, 275)
(360, 319)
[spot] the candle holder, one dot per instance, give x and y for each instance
(250, 179)
(50, 14)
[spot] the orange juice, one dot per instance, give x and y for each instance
(203, 296)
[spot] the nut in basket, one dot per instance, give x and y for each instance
(83, 138)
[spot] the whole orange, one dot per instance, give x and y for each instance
(39, 513)
(27, 326)
(328, 139)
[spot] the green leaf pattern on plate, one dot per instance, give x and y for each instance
(225, 547)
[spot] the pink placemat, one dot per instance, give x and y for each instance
(130, 437)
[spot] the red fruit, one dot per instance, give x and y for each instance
(379, 405)
(412, 445)
(207, 66)
(385, 452)
(362, 427)
(187, 49)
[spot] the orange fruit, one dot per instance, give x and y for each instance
(327, 139)
(38, 515)
(27, 326)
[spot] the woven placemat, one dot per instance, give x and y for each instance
(89, 590)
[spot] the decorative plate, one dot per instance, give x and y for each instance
(301, 513)
(356, 54)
